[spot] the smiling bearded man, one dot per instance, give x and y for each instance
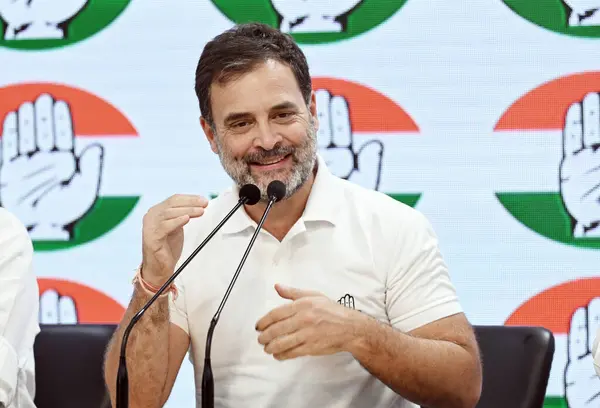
(285, 338)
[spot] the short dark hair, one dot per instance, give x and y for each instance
(238, 51)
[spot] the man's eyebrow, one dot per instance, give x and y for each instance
(285, 105)
(236, 115)
(233, 116)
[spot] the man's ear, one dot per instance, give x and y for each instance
(312, 109)
(210, 134)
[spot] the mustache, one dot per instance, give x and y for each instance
(261, 155)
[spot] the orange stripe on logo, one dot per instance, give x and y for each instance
(92, 116)
(93, 307)
(554, 307)
(545, 107)
(370, 111)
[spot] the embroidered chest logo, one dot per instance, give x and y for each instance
(348, 301)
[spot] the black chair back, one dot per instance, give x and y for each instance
(69, 361)
(69, 365)
(516, 365)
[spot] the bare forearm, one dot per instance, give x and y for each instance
(432, 373)
(147, 352)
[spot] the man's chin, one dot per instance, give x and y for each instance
(265, 177)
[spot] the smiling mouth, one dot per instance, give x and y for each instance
(271, 161)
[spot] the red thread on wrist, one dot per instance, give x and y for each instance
(152, 288)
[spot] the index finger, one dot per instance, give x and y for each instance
(323, 97)
(185, 200)
(64, 136)
(279, 313)
(593, 322)
(578, 335)
(341, 130)
(573, 130)
(591, 121)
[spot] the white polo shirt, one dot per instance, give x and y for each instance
(350, 241)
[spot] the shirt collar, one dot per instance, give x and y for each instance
(322, 205)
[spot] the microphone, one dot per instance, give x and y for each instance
(249, 194)
(275, 192)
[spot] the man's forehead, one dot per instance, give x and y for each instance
(254, 92)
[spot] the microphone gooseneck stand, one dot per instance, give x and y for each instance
(275, 192)
(249, 195)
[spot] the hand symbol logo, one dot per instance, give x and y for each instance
(347, 301)
(57, 309)
(38, 19)
(583, 12)
(42, 181)
(336, 143)
(580, 166)
(582, 385)
(313, 16)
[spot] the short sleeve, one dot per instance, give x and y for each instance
(419, 289)
(178, 312)
(177, 308)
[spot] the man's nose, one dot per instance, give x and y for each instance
(266, 137)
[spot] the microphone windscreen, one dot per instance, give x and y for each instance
(276, 190)
(251, 193)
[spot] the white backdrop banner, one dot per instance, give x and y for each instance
(487, 115)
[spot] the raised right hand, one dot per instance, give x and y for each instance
(580, 166)
(162, 235)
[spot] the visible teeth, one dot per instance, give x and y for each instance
(272, 162)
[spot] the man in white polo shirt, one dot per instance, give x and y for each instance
(19, 300)
(344, 300)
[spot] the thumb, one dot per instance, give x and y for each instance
(81, 194)
(90, 169)
(288, 292)
(369, 165)
(90, 161)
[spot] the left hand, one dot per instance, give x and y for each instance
(312, 325)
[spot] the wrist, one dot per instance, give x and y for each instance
(153, 286)
(361, 328)
(151, 276)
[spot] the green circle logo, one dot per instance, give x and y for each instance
(53, 174)
(313, 21)
(579, 18)
(39, 24)
(556, 128)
